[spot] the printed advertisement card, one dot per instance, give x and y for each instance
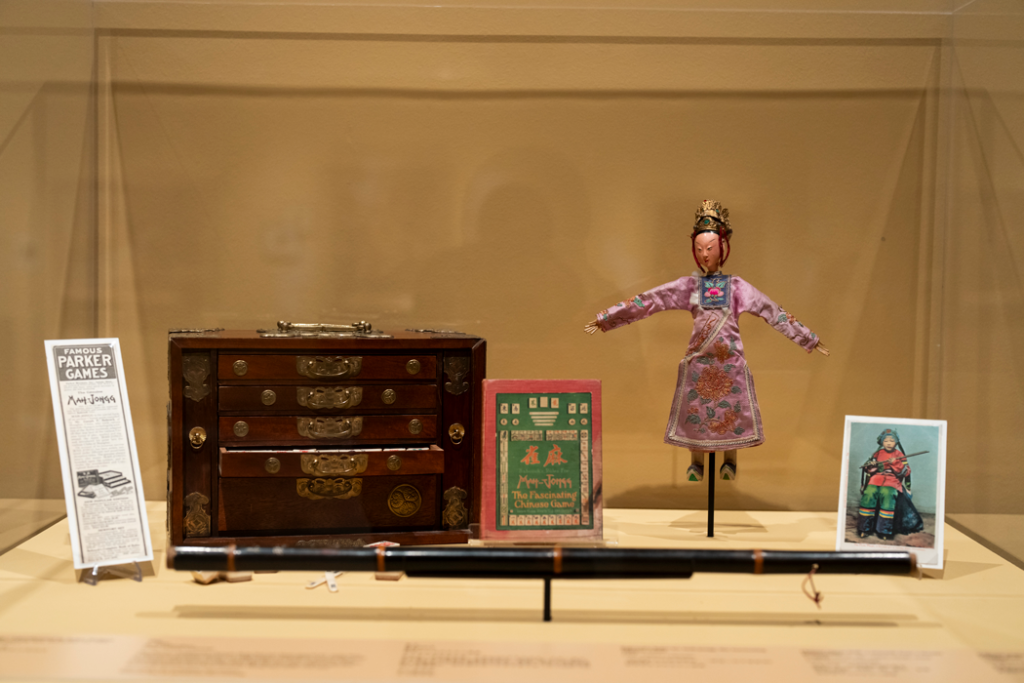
(98, 458)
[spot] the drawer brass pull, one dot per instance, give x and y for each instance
(389, 396)
(413, 367)
(415, 426)
(319, 489)
(329, 397)
(240, 367)
(326, 465)
(241, 428)
(404, 500)
(197, 437)
(272, 465)
(268, 397)
(330, 427)
(394, 463)
(328, 366)
(456, 433)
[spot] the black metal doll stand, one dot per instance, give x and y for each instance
(711, 494)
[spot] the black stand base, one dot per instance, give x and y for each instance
(547, 599)
(712, 473)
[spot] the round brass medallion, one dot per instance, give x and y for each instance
(394, 463)
(240, 367)
(415, 426)
(404, 500)
(389, 396)
(241, 428)
(412, 367)
(273, 465)
(268, 397)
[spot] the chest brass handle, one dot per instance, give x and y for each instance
(329, 397)
(456, 433)
(328, 366)
(330, 427)
(197, 437)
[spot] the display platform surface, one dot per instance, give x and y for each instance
(1002, 533)
(969, 618)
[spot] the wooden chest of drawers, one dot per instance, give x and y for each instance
(323, 441)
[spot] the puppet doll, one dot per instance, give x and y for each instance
(715, 408)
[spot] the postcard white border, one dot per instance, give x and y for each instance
(927, 558)
(65, 460)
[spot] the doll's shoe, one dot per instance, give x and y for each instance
(728, 471)
(695, 472)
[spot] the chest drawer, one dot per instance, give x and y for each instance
(331, 463)
(270, 398)
(246, 366)
(342, 429)
(327, 505)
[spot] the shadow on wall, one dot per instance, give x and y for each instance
(689, 496)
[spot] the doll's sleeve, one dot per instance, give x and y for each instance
(672, 295)
(753, 301)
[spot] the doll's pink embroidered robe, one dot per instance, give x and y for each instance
(715, 407)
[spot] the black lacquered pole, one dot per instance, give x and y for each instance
(711, 495)
(538, 563)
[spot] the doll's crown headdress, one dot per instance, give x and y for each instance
(712, 217)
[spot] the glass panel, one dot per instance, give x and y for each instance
(510, 170)
(48, 238)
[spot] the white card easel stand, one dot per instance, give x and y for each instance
(119, 571)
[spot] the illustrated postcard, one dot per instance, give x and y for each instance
(892, 494)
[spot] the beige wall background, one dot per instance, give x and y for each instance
(510, 170)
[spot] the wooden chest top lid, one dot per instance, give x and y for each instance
(273, 339)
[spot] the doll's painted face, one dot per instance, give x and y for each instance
(708, 252)
(889, 443)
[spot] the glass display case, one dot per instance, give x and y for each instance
(508, 170)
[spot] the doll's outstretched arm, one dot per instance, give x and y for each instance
(751, 300)
(672, 295)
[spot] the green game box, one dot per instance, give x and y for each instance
(541, 470)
